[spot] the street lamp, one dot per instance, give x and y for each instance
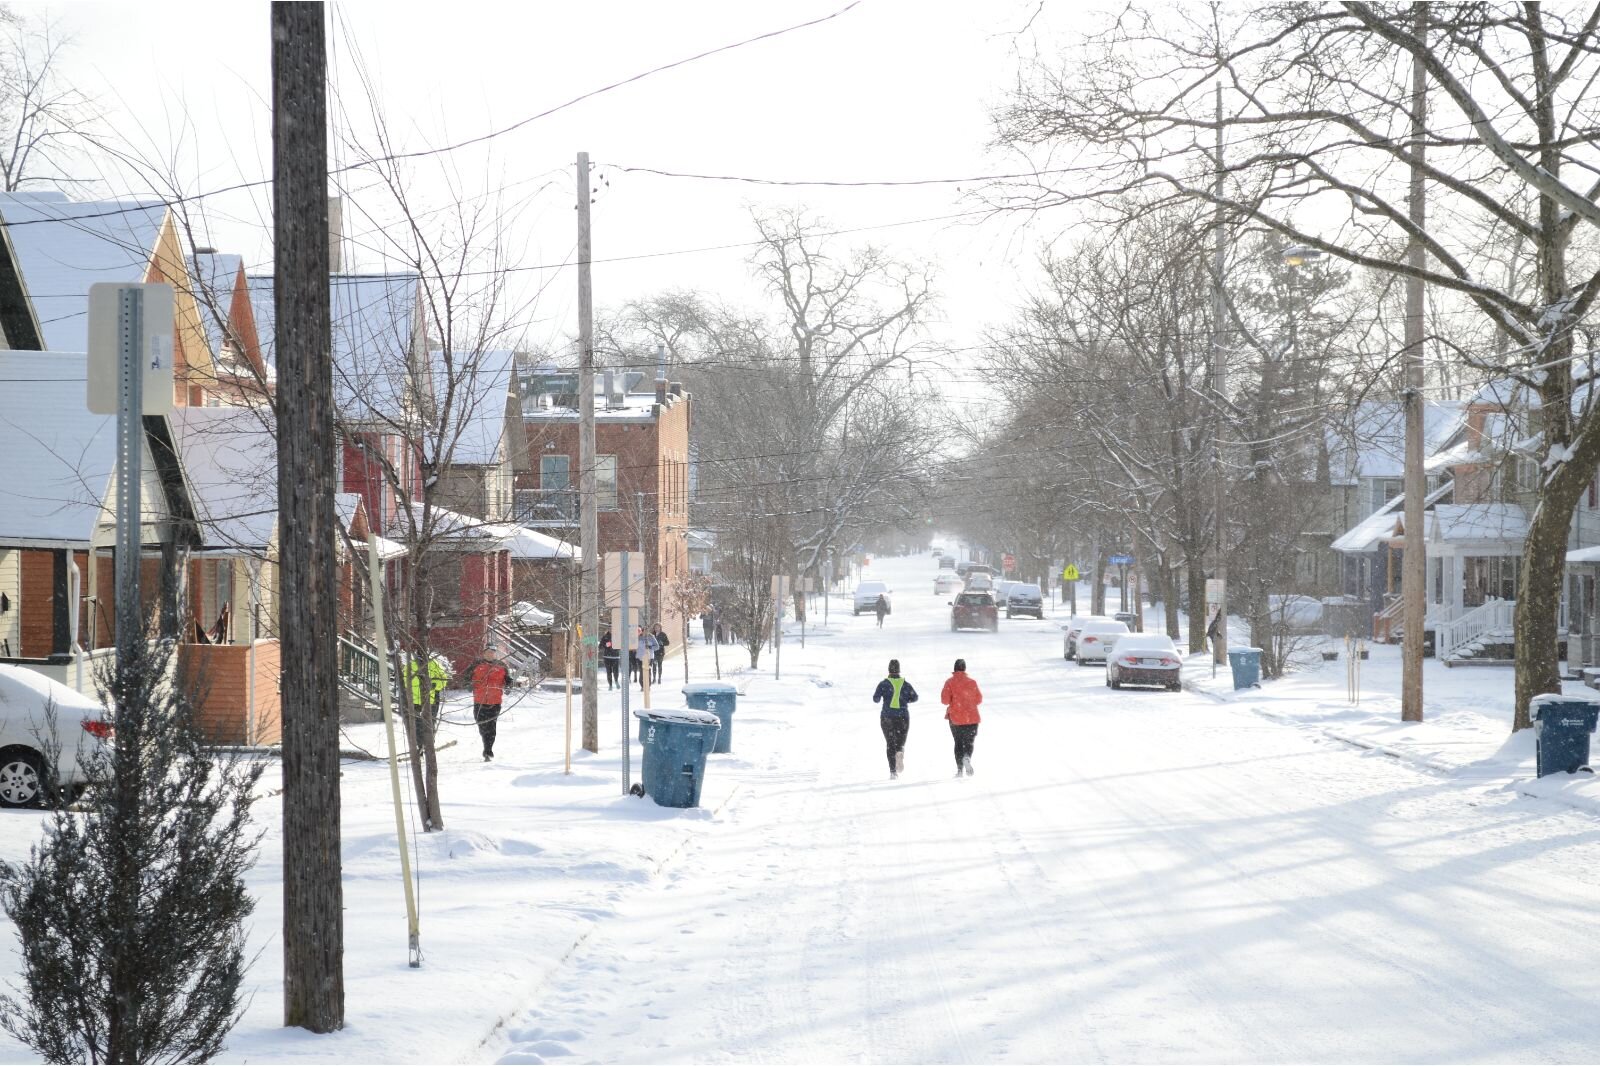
(1299, 255)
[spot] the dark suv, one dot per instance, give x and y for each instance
(974, 610)
(1025, 599)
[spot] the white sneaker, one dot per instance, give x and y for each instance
(893, 774)
(966, 764)
(900, 762)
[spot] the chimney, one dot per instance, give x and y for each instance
(610, 388)
(661, 374)
(336, 235)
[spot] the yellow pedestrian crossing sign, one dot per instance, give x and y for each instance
(1070, 573)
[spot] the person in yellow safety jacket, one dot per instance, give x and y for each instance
(438, 677)
(897, 696)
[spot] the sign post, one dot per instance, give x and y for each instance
(1122, 562)
(1069, 584)
(620, 581)
(1216, 596)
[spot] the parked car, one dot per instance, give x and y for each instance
(1001, 589)
(44, 721)
(867, 594)
(982, 568)
(974, 610)
(1145, 659)
(1023, 598)
(1096, 640)
(1070, 631)
(947, 562)
(945, 584)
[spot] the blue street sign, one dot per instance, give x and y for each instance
(1121, 560)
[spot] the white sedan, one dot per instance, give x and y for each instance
(43, 722)
(1145, 659)
(867, 594)
(1095, 641)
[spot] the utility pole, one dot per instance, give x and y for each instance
(1414, 572)
(588, 502)
(313, 897)
(1219, 375)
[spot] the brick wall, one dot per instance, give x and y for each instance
(220, 677)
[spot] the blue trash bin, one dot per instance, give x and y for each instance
(676, 743)
(1246, 664)
(1561, 728)
(720, 698)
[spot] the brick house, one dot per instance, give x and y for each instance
(642, 473)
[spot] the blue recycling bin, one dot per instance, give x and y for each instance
(720, 698)
(676, 743)
(1246, 664)
(1561, 729)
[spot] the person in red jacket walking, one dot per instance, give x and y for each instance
(961, 697)
(488, 690)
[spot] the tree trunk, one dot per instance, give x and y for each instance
(1197, 603)
(1169, 581)
(313, 897)
(1539, 584)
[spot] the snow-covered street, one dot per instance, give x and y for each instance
(1129, 876)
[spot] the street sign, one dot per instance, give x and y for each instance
(1070, 573)
(1008, 562)
(105, 347)
(1120, 560)
(613, 575)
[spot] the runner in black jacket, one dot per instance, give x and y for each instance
(897, 696)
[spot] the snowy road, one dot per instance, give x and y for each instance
(1130, 876)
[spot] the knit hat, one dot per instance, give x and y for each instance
(894, 667)
(961, 665)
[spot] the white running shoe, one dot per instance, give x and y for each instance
(900, 761)
(893, 774)
(966, 764)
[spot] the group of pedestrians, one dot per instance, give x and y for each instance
(960, 697)
(649, 651)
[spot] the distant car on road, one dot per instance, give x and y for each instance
(974, 610)
(867, 594)
(1001, 588)
(1023, 598)
(44, 722)
(1096, 640)
(1074, 626)
(947, 562)
(1145, 659)
(945, 584)
(981, 583)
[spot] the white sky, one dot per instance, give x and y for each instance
(892, 89)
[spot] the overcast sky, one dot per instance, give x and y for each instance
(888, 90)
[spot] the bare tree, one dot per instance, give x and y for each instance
(45, 121)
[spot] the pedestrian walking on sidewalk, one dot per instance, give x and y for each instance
(611, 655)
(961, 697)
(707, 626)
(644, 653)
(897, 696)
(661, 653)
(489, 679)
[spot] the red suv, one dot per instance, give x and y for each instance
(974, 610)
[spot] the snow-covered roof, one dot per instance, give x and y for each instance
(230, 457)
(59, 458)
(1373, 442)
(484, 382)
(1381, 525)
(525, 543)
(214, 276)
(1478, 521)
(64, 246)
(376, 326)
(1584, 555)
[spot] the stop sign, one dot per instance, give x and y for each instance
(1008, 562)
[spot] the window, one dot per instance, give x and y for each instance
(605, 482)
(555, 472)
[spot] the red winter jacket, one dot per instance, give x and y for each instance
(488, 682)
(961, 697)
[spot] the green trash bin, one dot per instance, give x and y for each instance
(676, 743)
(1246, 664)
(720, 698)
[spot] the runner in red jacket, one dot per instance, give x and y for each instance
(488, 690)
(961, 697)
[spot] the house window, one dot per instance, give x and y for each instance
(555, 472)
(605, 482)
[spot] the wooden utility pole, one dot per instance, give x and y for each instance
(1219, 377)
(589, 518)
(1414, 572)
(313, 898)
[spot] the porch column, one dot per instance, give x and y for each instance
(60, 607)
(169, 589)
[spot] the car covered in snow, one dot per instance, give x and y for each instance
(1096, 640)
(947, 562)
(1024, 598)
(945, 584)
(1145, 659)
(974, 610)
(44, 723)
(1001, 588)
(981, 583)
(867, 594)
(1074, 626)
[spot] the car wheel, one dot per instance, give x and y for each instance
(1116, 684)
(1177, 687)
(21, 779)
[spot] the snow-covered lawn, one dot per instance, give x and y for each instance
(1131, 875)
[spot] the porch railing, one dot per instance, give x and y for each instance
(1388, 624)
(358, 666)
(522, 651)
(1489, 617)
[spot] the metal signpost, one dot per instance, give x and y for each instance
(780, 592)
(620, 581)
(1216, 591)
(1069, 578)
(130, 375)
(1122, 562)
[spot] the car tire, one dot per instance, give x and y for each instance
(1116, 685)
(21, 778)
(1175, 688)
